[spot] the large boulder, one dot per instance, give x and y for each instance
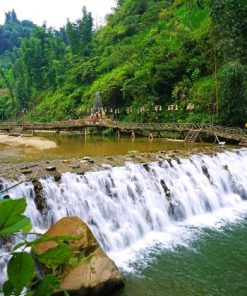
(97, 276)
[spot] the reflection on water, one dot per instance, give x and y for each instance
(76, 146)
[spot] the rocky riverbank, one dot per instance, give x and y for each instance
(55, 168)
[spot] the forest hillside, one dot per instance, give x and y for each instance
(190, 54)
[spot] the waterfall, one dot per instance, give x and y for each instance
(123, 205)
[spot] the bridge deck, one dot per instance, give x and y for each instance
(226, 133)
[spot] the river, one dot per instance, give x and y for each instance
(177, 227)
(76, 146)
(212, 263)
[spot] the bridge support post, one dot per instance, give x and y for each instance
(58, 133)
(34, 133)
(150, 136)
(118, 134)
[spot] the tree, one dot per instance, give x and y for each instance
(230, 27)
(11, 17)
(80, 34)
(234, 94)
(85, 27)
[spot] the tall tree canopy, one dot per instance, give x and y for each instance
(149, 53)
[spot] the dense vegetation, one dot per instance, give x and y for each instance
(150, 52)
(24, 276)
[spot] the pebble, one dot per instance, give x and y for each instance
(50, 168)
(75, 166)
(106, 166)
(26, 172)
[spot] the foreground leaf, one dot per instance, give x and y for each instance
(47, 286)
(56, 256)
(43, 239)
(20, 270)
(11, 218)
(8, 288)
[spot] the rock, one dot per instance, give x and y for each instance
(106, 166)
(6, 196)
(57, 177)
(39, 198)
(109, 158)
(24, 168)
(128, 158)
(205, 171)
(81, 173)
(75, 166)
(133, 152)
(169, 160)
(66, 161)
(164, 152)
(225, 167)
(146, 166)
(86, 158)
(166, 190)
(97, 276)
(50, 168)
(172, 155)
(26, 172)
(159, 157)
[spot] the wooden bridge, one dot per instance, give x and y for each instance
(192, 129)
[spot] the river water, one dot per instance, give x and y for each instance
(177, 227)
(76, 146)
(212, 263)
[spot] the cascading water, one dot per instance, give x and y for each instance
(125, 205)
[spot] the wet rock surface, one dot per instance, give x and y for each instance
(96, 276)
(55, 168)
(39, 198)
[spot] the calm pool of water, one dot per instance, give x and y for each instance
(76, 146)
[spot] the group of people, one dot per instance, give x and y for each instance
(94, 117)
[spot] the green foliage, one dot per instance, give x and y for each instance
(234, 94)
(108, 132)
(8, 288)
(56, 256)
(47, 286)
(12, 31)
(20, 271)
(149, 52)
(20, 268)
(79, 34)
(11, 218)
(230, 27)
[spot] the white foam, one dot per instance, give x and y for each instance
(135, 210)
(144, 251)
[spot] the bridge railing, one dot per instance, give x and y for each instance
(150, 126)
(221, 130)
(168, 126)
